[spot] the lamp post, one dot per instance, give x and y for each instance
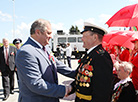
(13, 19)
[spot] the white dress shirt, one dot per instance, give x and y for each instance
(68, 51)
(91, 49)
(121, 82)
(5, 53)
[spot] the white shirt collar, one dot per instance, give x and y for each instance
(121, 82)
(91, 49)
(5, 47)
(36, 42)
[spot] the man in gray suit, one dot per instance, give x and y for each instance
(37, 67)
(7, 67)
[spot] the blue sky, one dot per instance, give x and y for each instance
(61, 13)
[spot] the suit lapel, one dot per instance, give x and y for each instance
(10, 50)
(3, 53)
(43, 54)
(38, 48)
(50, 54)
(53, 67)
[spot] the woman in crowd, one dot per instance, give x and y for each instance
(124, 90)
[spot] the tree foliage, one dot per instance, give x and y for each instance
(74, 30)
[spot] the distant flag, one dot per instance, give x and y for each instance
(130, 28)
(134, 28)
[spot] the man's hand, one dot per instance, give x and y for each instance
(15, 69)
(68, 90)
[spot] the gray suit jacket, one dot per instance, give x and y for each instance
(11, 58)
(37, 77)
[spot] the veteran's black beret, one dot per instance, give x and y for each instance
(17, 41)
(93, 28)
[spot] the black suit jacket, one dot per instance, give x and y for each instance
(11, 58)
(99, 79)
(127, 94)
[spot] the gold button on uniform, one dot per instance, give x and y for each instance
(78, 90)
(80, 84)
(86, 78)
(87, 85)
(90, 74)
(84, 84)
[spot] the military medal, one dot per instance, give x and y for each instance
(86, 72)
(76, 82)
(79, 70)
(85, 78)
(90, 74)
(88, 80)
(83, 84)
(81, 64)
(90, 68)
(89, 61)
(82, 78)
(80, 84)
(83, 71)
(78, 76)
(87, 85)
(85, 66)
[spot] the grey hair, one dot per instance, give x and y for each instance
(126, 65)
(39, 24)
(4, 39)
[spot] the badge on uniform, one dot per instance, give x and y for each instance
(100, 51)
(87, 84)
(84, 74)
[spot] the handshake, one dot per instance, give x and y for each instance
(68, 90)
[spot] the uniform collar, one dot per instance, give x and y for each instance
(91, 49)
(5, 47)
(122, 82)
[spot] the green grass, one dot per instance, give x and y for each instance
(9, 44)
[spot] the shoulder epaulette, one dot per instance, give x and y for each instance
(100, 51)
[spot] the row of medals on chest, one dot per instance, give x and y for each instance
(84, 74)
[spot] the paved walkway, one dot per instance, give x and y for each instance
(62, 80)
(12, 97)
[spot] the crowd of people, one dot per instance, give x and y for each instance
(120, 55)
(7, 65)
(104, 74)
(62, 51)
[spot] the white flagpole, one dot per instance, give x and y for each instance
(13, 19)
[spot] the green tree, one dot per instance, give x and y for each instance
(77, 30)
(74, 30)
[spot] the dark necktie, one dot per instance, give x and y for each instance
(45, 51)
(44, 48)
(7, 62)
